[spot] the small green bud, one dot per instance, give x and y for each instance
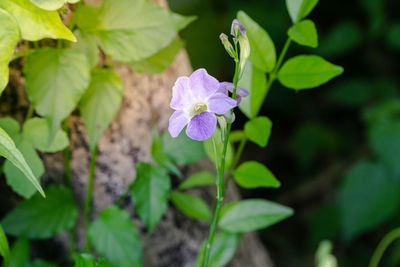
(244, 52)
(228, 46)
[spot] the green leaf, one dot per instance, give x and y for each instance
(252, 174)
(40, 263)
(36, 131)
(236, 136)
(219, 146)
(10, 126)
(4, 248)
(323, 256)
(36, 23)
(253, 214)
(191, 205)
(16, 178)
(100, 103)
(86, 44)
(52, 4)
(182, 149)
(299, 9)
(160, 61)
(262, 49)
(55, 81)
(198, 179)
(128, 30)
(40, 218)
(258, 130)
(85, 260)
(115, 236)
(11, 152)
(255, 81)
(307, 71)
(304, 33)
(180, 21)
(19, 253)
(222, 250)
(353, 92)
(367, 198)
(9, 36)
(150, 193)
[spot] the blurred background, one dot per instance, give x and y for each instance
(336, 148)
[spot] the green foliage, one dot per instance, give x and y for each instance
(56, 79)
(323, 256)
(258, 130)
(304, 33)
(86, 44)
(262, 53)
(35, 23)
(252, 174)
(160, 61)
(150, 193)
(40, 218)
(9, 36)
(299, 9)
(353, 93)
(255, 81)
(115, 236)
(198, 179)
(40, 263)
(368, 196)
(191, 205)
(52, 4)
(213, 153)
(128, 30)
(222, 250)
(19, 253)
(4, 248)
(253, 214)
(100, 103)
(307, 71)
(85, 260)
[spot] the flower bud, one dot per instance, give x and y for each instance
(244, 52)
(228, 46)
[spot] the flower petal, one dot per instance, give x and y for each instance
(242, 29)
(220, 103)
(229, 86)
(202, 84)
(202, 126)
(181, 93)
(177, 122)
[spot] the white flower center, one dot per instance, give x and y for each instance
(197, 109)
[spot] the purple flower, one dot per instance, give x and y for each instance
(195, 100)
(242, 29)
(224, 87)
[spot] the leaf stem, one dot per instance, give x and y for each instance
(383, 245)
(89, 194)
(29, 114)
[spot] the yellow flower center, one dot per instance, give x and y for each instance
(197, 109)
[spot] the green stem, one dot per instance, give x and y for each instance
(383, 245)
(89, 194)
(221, 173)
(29, 114)
(235, 161)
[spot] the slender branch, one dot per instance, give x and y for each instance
(383, 245)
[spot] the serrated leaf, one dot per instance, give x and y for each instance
(100, 103)
(182, 150)
(129, 30)
(262, 49)
(52, 4)
(198, 179)
(252, 174)
(253, 214)
(299, 9)
(4, 248)
(115, 236)
(150, 193)
(56, 79)
(36, 23)
(19, 256)
(222, 250)
(258, 130)
(160, 61)
(304, 33)
(307, 71)
(36, 131)
(368, 196)
(191, 205)
(11, 153)
(86, 44)
(9, 36)
(255, 81)
(40, 218)
(213, 155)
(16, 178)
